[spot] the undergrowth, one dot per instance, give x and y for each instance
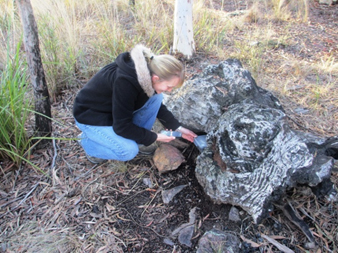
(14, 110)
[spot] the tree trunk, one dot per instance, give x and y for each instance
(43, 123)
(183, 29)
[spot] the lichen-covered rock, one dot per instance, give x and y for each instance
(252, 154)
(205, 97)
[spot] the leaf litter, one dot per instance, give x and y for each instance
(118, 207)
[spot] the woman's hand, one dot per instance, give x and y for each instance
(187, 134)
(164, 138)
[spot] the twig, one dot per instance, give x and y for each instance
(189, 153)
(83, 175)
(299, 125)
(29, 193)
(142, 225)
(112, 234)
(55, 154)
(134, 186)
(124, 200)
(16, 175)
(86, 187)
(150, 201)
(305, 213)
(23, 200)
(11, 201)
(277, 244)
(69, 166)
(291, 213)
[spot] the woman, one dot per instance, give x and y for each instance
(117, 108)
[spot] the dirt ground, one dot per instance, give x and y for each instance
(75, 206)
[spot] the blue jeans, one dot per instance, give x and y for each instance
(103, 142)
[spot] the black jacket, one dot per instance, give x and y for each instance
(115, 92)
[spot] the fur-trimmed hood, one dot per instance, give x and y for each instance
(142, 70)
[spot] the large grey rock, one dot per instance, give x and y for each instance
(205, 97)
(252, 155)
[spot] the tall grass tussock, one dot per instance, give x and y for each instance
(14, 110)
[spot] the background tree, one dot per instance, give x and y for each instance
(183, 29)
(43, 123)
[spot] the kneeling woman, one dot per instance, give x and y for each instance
(117, 108)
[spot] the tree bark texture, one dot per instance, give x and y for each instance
(43, 124)
(183, 28)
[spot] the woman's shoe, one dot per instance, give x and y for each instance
(147, 150)
(95, 160)
(92, 159)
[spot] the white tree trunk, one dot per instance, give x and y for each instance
(183, 29)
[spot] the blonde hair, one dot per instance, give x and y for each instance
(164, 66)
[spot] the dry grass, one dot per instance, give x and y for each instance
(32, 237)
(77, 38)
(283, 59)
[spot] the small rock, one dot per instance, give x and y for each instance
(167, 158)
(310, 245)
(186, 234)
(218, 241)
(234, 214)
(147, 182)
(186, 230)
(168, 195)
